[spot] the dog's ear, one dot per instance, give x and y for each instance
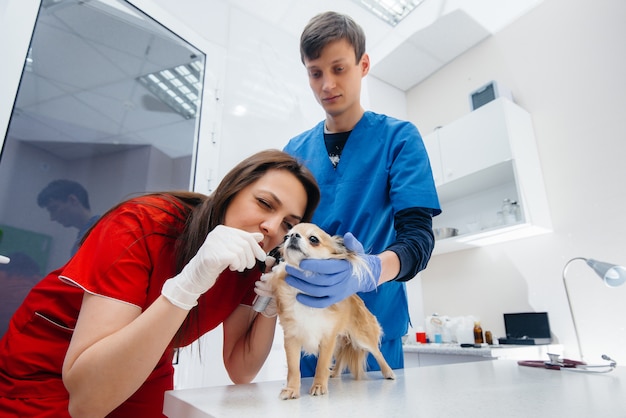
(340, 246)
(338, 239)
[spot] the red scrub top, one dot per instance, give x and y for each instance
(127, 256)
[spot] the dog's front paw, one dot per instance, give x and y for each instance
(318, 389)
(289, 393)
(388, 373)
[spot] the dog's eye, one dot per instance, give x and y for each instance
(314, 240)
(285, 238)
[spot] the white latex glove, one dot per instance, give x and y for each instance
(4, 259)
(223, 248)
(263, 289)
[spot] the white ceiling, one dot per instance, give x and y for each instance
(435, 33)
(81, 97)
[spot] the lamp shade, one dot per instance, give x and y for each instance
(612, 274)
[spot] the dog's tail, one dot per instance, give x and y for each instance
(351, 357)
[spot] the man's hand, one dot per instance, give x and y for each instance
(326, 282)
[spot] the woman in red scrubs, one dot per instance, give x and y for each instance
(96, 337)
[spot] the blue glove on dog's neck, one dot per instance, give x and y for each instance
(326, 282)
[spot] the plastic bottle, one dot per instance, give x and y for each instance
(495, 340)
(436, 328)
(508, 214)
(488, 338)
(478, 333)
(517, 211)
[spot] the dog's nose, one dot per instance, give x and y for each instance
(294, 240)
(293, 235)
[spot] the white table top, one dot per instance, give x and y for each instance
(479, 389)
(526, 352)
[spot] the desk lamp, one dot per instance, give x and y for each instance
(612, 275)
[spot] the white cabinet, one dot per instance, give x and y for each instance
(469, 145)
(478, 161)
(473, 143)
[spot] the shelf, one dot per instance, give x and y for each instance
(487, 237)
(483, 158)
(487, 178)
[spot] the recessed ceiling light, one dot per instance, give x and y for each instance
(29, 60)
(240, 110)
(178, 87)
(391, 11)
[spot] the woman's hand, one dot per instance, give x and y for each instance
(224, 247)
(265, 293)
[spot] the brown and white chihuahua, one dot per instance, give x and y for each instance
(346, 331)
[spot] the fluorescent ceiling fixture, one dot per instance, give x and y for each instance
(178, 87)
(29, 60)
(391, 11)
(114, 4)
(240, 110)
(118, 8)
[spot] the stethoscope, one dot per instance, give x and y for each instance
(555, 363)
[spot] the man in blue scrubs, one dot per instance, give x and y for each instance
(377, 187)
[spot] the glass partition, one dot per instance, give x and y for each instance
(107, 107)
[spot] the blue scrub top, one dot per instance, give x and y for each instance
(384, 168)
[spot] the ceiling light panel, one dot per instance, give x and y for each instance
(391, 11)
(178, 87)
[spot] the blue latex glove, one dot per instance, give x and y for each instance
(326, 282)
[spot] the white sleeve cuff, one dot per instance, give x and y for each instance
(179, 296)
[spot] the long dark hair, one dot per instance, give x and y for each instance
(212, 211)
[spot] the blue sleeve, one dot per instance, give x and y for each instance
(411, 181)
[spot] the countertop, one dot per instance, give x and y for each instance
(477, 389)
(493, 351)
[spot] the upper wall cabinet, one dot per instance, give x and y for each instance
(487, 172)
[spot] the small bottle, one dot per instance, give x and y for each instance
(508, 214)
(478, 333)
(488, 338)
(517, 211)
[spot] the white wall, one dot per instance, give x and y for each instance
(16, 21)
(564, 63)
